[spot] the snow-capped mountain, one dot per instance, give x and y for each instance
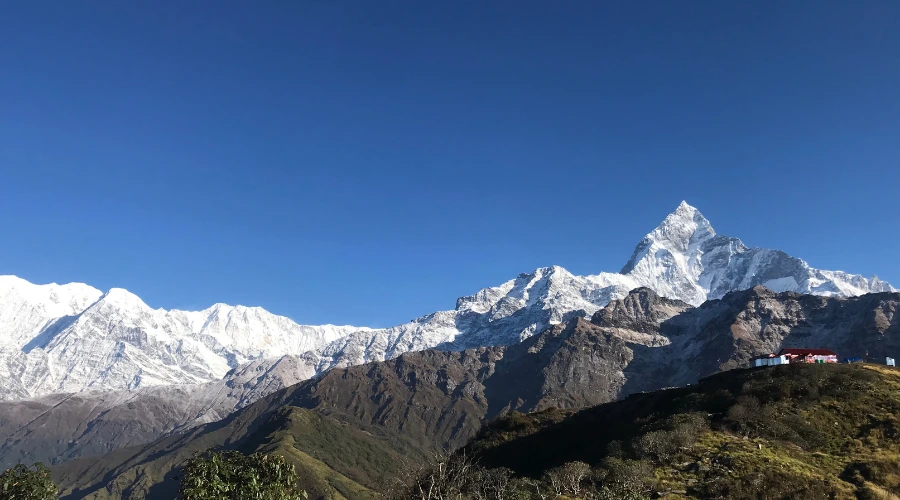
(684, 258)
(72, 337)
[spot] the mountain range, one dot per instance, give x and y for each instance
(74, 338)
(423, 401)
(138, 390)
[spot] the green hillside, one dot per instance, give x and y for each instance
(333, 460)
(320, 447)
(796, 431)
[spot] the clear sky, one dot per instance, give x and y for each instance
(368, 162)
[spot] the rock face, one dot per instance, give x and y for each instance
(74, 338)
(724, 334)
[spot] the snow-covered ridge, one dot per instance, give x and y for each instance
(67, 338)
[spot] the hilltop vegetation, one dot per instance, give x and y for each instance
(796, 431)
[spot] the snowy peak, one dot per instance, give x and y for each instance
(70, 338)
(27, 309)
(70, 298)
(683, 228)
(684, 258)
(681, 232)
(669, 259)
(121, 298)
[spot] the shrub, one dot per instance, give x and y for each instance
(687, 428)
(27, 483)
(568, 478)
(883, 471)
(231, 475)
(743, 413)
(457, 477)
(627, 478)
(495, 484)
(770, 483)
(676, 433)
(655, 445)
(526, 488)
(605, 493)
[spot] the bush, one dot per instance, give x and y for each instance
(687, 428)
(743, 413)
(655, 445)
(627, 478)
(27, 483)
(770, 483)
(605, 493)
(456, 477)
(675, 434)
(568, 478)
(493, 483)
(883, 471)
(231, 475)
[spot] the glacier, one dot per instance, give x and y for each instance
(72, 338)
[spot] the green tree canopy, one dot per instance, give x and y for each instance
(231, 475)
(27, 483)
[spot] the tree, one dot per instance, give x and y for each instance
(626, 478)
(526, 488)
(231, 475)
(448, 477)
(495, 484)
(574, 475)
(555, 481)
(27, 483)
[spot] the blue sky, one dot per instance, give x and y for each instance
(368, 162)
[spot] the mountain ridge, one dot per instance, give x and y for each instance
(70, 338)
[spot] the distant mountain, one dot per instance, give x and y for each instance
(71, 338)
(74, 338)
(59, 427)
(425, 400)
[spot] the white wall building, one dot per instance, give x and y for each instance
(769, 360)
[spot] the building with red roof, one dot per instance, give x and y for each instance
(795, 355)
(804, 355)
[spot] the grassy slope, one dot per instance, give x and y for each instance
(334, 461)
(807, 431)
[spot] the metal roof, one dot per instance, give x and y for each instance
(807, 352)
